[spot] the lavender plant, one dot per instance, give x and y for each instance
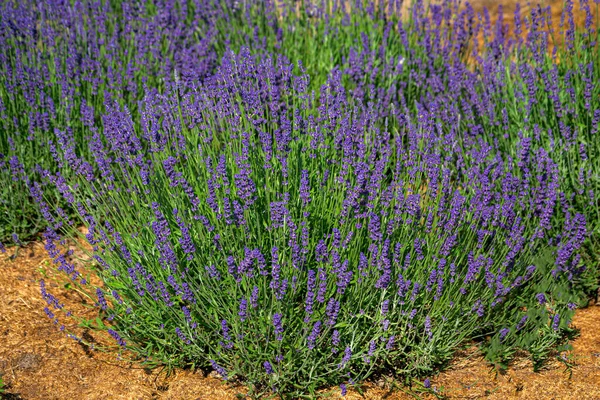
(290, 243)
(64, 63)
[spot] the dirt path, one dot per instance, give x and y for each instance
(38, 361)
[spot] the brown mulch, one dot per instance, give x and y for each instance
(38, 361)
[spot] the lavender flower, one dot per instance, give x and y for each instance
(277, 324)
(503, 333)
(220, 370)
(555, 322)
(225, 332)
(304, 188)
(322, 286)
(243, 312)
(316, 330)
(101, 299)
(346, 357)
(117, 338)
(182, 336)
(390, 343)
(541, 298)
(343, 389)
(478, 308)
(49, 313)
(268, 367)
(160, 227)
(186, 241)
(275, 270)
(428, 327)
(321, 251)
(335, 340)
(332, 310)
(385, 307)
(254, 297)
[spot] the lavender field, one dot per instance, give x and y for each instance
(304, 197)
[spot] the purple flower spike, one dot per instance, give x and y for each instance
(254, 297)
(503, 333)
(101, 300)
(346, 358)
(343, 389)
(243, 313)
(220, 370)
(541, 298)
(277, 324)
(268, 367)
(117, 338)
(304, 188)
(428, 327)
(555, 322)
(312, 338)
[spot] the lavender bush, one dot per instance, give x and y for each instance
(292, 244)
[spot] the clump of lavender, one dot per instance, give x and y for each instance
(292, 230)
